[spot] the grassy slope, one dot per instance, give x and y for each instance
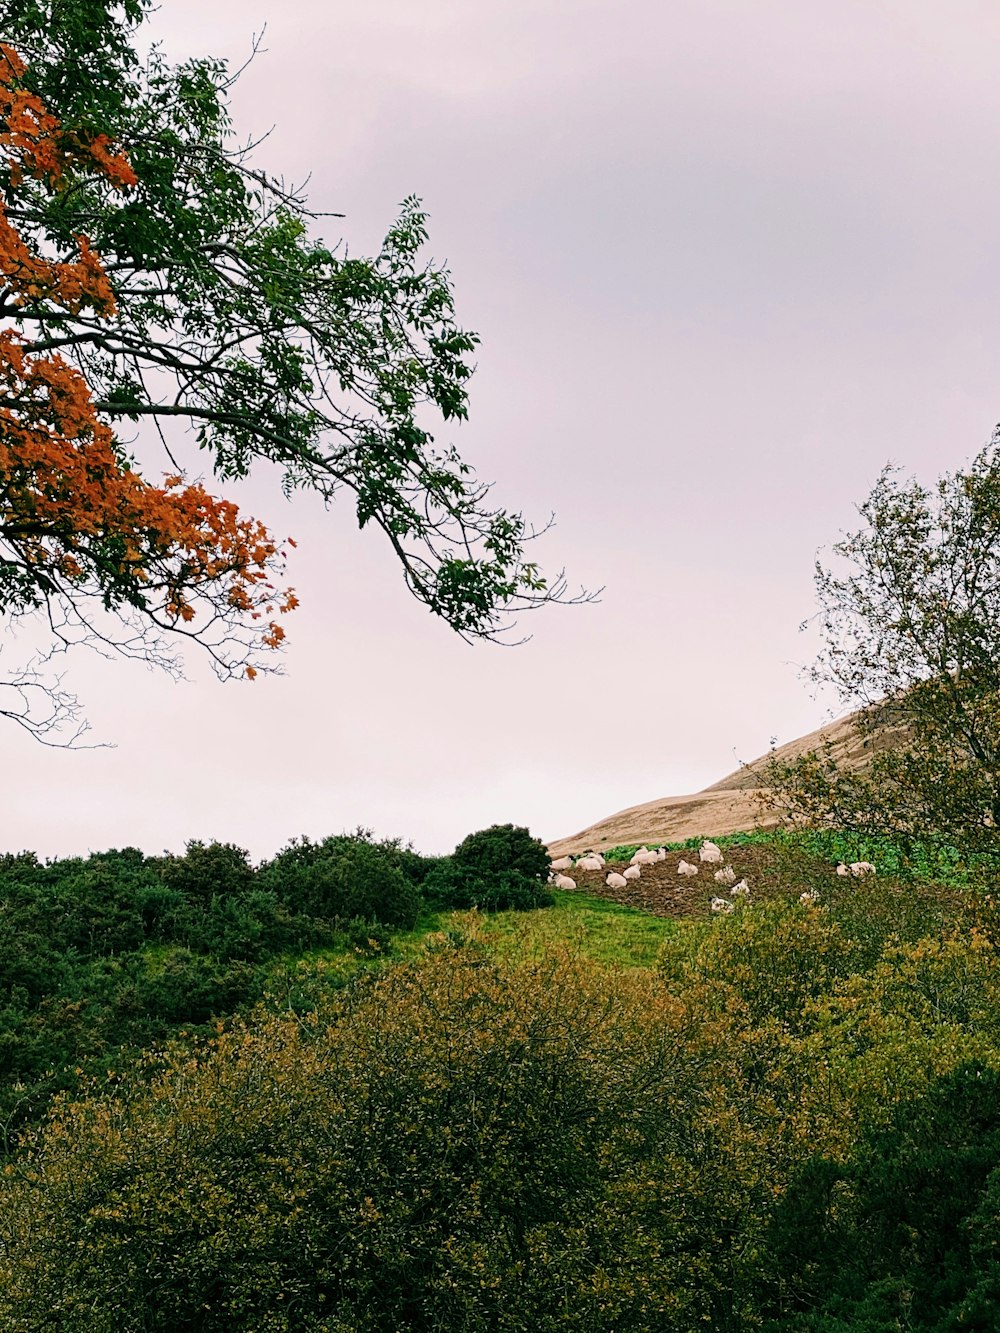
(923, 895)
(920, 892)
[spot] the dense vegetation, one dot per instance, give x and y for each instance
(785, 1119)
(106, 955)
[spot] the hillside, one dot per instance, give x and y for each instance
(727, 806)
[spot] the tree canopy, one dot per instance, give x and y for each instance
(910, 616)
(152, 274)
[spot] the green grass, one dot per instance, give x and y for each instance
(606, 932)
(918, 861)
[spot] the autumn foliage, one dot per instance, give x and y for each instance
(154, 273)
(76, 520)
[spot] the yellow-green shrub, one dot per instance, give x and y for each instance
(456, 1144)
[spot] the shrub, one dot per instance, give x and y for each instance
(502, 848)
(775, 959)
(189, 988)
(412, 863)
(452, 886)
(497, 868)
(906, 1229)
(460, 1144)
(342, 878)
(254, 927)
(219, 869)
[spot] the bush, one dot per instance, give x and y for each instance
(907, 1229)
(503, 848)
(342, 878)
(205, 872)
(774, 959)
(452, 886)
(498, 868)
(462, 1144)
(189, 988)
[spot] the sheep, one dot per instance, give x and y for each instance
(727, 875)
(564, 863)
(616, 881)
(741, 890)
(564, 882)
(644, 858)
(843, 871)
(589, 863)
(710, 853)
(633, 872)
(720, 905)
(686, 869)
(661, 853)
(808, 898)
(861, 868)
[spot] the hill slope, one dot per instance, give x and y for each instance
(727, 806)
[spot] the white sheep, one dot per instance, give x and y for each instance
(686, 869)
(809, 897)
(843, 871)
(564, 882)
(589, 863)
(741, 890)
(661, 853)
(861, 868)
(616, 881)
(720, 905)
(710, 854)
(564, 863)
(633, 872)
(644, 858)
(727, 875)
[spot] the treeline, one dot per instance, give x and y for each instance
(779, 1128)
(106, 955)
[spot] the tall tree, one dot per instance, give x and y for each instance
(910, 615)
(153, 273)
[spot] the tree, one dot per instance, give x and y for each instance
(911, 622)
(153, 274)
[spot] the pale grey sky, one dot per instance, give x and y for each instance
(726, 260)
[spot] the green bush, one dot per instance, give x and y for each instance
(496, 869)
(340, 879)
(188, 988)
(907, 1230)
(503, 848)
(449, 886)
(774, 959)
(219, 869)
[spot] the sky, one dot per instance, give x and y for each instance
(727, 258)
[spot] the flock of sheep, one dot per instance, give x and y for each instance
(708, 854)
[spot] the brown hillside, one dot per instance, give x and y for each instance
(727, 806)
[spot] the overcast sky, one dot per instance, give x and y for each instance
(726, 260)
